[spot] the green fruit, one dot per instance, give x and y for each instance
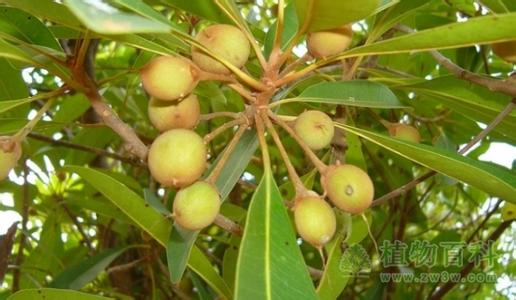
(196, 206)
(509, 211)
(315, 220)
(169, 78)
(165, 115)
(10, 153)
(177, 158)
(329, 42)
(506, 50)
(348, 187)
(405, 133)
(225, 41)
(315, 128)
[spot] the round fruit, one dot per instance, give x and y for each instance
(9, 155)
(169, 78)
(196, 206)
(405, 132)
(315, 128)
(315, 220)
(177, 157)
(506, 50)
(509, 211)
(348, 187)
(226, 41)
(329, 42)
(165, 115)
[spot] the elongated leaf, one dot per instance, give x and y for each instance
(12, 86)
(26, 28)
(493, 180)
(480, 30)
(139, 7)
(316, 15)
(103, 18)
(270, 264)
(360, 93)
(46, 9)
(79, 275)
(53, 294)
(395, 14)
(157, 225)
(290, 27)
(181, 240)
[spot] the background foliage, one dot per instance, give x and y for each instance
(92, 219)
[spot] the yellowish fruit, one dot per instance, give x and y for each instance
(348, 187)
(196, 206)
(329, 42)
(177, 158)
(169, 78)
(165, 115)
(315, 128)
(315, 220)
(509, 211)
(225, 41)
(10, 153)
(506, 50)
(405, 132)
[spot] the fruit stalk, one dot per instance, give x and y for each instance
(217, 131)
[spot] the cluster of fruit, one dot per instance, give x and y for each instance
(177, 158)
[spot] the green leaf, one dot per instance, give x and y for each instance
(494, 180)
(53, 294)
(203, 8)
(102, 18)
(181, 240)
(480, 30)
(12, 86)
(148, 219)
(290, 27)
(496, 6)
(139, 7)
(316, 15)
(361, 93)
(26, 27)
(46, 9)
(270, 264)
(395, 14)
(76, 277)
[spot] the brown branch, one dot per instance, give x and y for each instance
(494, 85)
(439, 294)
(97, 151)
(228, 225)
(24, 229)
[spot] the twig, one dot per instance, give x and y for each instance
(298, 183)
(439, 294)
(215, 173)
(237, 87)
(133, 142)
(97, 151)
(486, 218)
(212, 135)
(492, 84)
(228, 225)
(321, 167)
(126, 266)
(25, 220)
(219, 114)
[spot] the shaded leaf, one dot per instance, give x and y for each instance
(53, 294)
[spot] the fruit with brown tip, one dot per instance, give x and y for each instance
(505, 50)
(315, 128)
(405, 132)
(225, 41)
(196, 206)
(165, 115)
(348, 187)
(10, 153)
(329, 42)
(315, 220)
(177, 158)
(169, 78)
